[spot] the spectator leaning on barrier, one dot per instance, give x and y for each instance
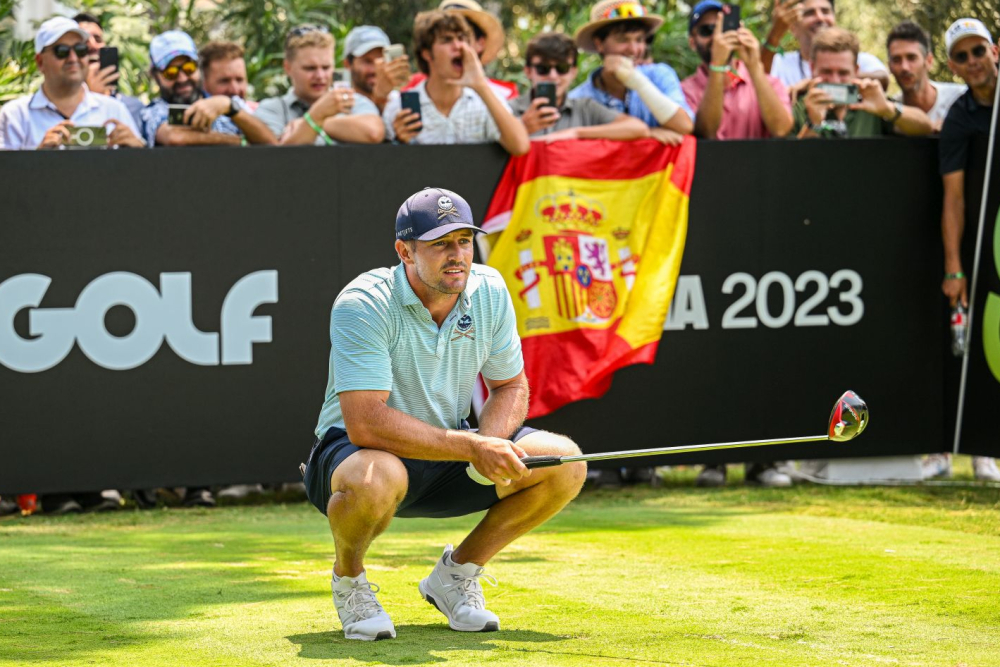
(617, 31)
(457, 104)
(45, 118)
(805, 19)
(551, 57)
(104, 82)
(312, 112)
(973, 56)
(910, 60)
(209, 119)
(224, 70)
(834, 60)
(371, 76)
(733, 101)
(487, 39)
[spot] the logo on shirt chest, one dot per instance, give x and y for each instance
(464, 328)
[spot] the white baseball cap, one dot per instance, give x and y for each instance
(50, 32)
(963, 28)
(363, 38)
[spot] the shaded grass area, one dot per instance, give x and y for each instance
(668, 576)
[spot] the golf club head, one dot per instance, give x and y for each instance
(849, 417)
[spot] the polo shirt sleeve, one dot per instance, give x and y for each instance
(359, 344)
(270, 113)
(595, 113)
(363, 106)
(505, 360)
(392, 107)
(953, 148)
(153, 116)
(10, 138)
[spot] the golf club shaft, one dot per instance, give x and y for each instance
(546, 461)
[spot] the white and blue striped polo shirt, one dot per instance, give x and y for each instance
(383, 339)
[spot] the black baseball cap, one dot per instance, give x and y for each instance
(432, 213)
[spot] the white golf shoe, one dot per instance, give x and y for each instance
(360, 612)
(457, 593)
(985, 469)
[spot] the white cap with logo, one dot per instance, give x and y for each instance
(50, 32)
(963, 28)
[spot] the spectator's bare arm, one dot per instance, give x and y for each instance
(122, 135)
(708, 117)
(513, 135)
(773, 110)
(786, 14)
(913, 121)
(361, 129)
(952, 227)
(182, 135)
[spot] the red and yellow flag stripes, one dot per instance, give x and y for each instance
(594, 235)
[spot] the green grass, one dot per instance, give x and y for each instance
(669, 576)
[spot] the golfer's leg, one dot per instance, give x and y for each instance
(528, 502)
(366, 487)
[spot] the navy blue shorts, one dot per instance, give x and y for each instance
(436, 488)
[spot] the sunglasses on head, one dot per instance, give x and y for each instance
(705, 29)
(544, 69)
(172, 72)
(307, 28)
(61, 51)
(962, 57)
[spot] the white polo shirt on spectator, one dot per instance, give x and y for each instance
(790, 68)
(469, 121)
(24, 121)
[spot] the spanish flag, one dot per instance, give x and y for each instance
(592, 243)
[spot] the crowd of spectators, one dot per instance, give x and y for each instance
(743, 89)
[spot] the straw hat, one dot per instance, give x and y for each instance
(489, 24)
(607, 12)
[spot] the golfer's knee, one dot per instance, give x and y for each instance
(569, 476)
(371, 480)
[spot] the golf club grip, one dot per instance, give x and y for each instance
(541, 461)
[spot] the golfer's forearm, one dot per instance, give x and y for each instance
(504, 411)
(389, 430)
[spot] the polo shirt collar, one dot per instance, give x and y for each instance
(292, 100)
(40, 101)
(401, 286)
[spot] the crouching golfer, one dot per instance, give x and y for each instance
(392, 440)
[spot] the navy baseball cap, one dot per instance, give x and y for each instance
(432, 213)
(700, 9)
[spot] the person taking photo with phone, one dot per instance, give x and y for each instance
(47, 118)
(551, 59)
(733, 99)
(836, 103)
(456, 103)
(207, 119)
(103, 79)
(315, 110)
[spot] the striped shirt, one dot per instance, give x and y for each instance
(468, 122)
(382, 338)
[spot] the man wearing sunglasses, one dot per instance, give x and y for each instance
(972, 55)
(551, 57)
(45, 118)
(618, 30)
(733, 100)
(209, 119)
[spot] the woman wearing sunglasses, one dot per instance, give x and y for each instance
(46, 118)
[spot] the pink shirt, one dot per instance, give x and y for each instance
(741, 117)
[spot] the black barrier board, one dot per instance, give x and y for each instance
(229, 260)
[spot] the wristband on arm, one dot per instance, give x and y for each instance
(954, 276)
(318, 130)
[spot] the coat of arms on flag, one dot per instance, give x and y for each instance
(594, 236)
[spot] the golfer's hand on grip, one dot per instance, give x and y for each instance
(499, 460)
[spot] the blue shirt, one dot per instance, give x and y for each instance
(382, 338)
(663, 77)
(156, 112)
(24, 121)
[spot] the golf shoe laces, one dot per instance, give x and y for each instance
(362, 601)
(473, 589)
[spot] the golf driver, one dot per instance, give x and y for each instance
(847, 420)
